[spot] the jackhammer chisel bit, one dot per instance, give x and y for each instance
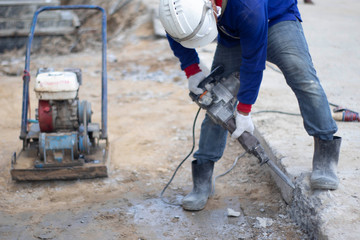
(252, 145)
(218, 100)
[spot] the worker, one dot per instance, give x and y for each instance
(248, 33)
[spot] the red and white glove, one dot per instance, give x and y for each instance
(243, 123)
(194, 81)
(195, 76)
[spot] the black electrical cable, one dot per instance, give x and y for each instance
(278, 71)
(275, 111)
(226, 172)
(237, 158)
(192, 149)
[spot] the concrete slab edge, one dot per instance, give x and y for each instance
(304, 205)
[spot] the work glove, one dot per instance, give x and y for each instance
(243, 123)
(194, 81)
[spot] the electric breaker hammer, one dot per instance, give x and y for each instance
(218, 99)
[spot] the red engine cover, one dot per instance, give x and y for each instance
(45, 116)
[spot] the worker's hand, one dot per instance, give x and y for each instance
(243, 123)
(194, 81)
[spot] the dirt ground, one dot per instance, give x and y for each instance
(150, 118)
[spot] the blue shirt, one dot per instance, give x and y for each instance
(245, 22)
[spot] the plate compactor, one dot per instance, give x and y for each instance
(62, 142)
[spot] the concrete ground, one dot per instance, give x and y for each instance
(332, 31)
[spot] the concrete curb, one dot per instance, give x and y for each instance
(333, 215)
(303, 206)
(323, 214)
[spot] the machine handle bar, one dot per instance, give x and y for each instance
(25, 101)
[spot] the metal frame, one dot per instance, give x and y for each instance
(26, 77)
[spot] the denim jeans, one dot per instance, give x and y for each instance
(287, 48)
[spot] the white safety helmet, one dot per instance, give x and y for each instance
(190, 22)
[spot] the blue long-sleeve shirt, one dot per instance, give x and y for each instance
(247, 21)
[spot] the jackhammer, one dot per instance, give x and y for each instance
(218, 99)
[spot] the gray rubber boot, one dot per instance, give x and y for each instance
(325, 160)
(202, 180)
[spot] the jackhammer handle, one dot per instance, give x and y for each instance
(248, 141)
(210, 78)
(231, 125)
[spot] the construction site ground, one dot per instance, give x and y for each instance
(150, 119)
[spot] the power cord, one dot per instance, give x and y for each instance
(275, 111)
(181, 163)
(223, 174)
(236, 159)
(275, 69)
(226, 172)
(192, 149)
